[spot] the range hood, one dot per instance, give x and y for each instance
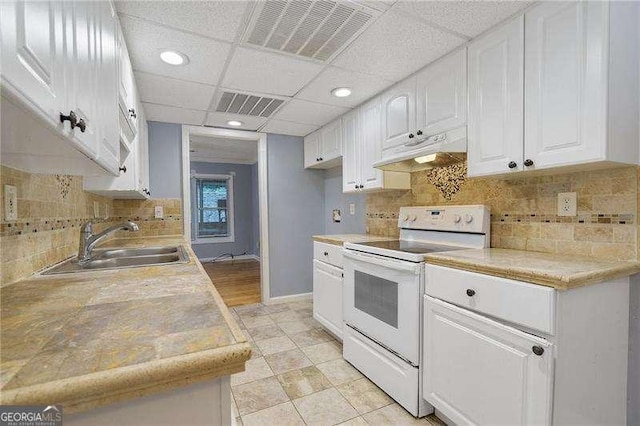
(438, 150)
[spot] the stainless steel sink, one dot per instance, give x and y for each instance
(119, 258)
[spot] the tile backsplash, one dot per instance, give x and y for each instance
(51, 210)
(523, 209)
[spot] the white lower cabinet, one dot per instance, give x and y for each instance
(478, 371)
(327, 287)
(498, 351)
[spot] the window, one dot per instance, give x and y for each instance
(213, 209)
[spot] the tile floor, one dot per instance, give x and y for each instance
(297, 375)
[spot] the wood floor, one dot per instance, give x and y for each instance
(237, 281)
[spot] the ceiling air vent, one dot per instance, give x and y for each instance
(244, 104)
(313, 29)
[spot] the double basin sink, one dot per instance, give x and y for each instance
(118, 258)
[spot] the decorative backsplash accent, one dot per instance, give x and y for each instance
(51, 210)
(523, 209)
(448, 180)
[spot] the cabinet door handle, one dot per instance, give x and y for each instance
(123, 169)
(411, 136)
(132, 113)
(419, 132)
(326, 253)
(320, 158)
(82, 125)
(356, 186)
(513, 164)
(361, 186)
(471, 292)
(528, 162)
(72, 118)
(538, 350)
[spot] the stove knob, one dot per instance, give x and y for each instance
(414, 218)
(406, 218)
(457, 218)
(468, 218)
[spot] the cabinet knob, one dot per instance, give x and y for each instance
(82, 125)
(123, 169)
(471, 292)
(326, 253)
(321, 158)
(411, 136)
(317, 158)
(132, 113)
(528, 162)
(72, 118)
(513, 164)
(357, 186)
(419, 132)
(360, 186)
(538, 350)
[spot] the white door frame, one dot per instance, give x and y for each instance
(261, 139)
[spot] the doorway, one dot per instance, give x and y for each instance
(225, 209)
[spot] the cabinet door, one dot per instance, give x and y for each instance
(565, 83)
(351, 152)
(496, 105)
(331, 141)
(442, 94)
(33, 53)
(81, 49)
(370, 145)
(312, 149)
(398, 113)
(327, 296)
(478, 371)
(127, 95)
(109, 146)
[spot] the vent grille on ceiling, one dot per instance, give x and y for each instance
(313, 29)
(240, 103)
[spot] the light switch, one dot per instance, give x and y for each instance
(352, 208)
(159, 212)
(10, 202)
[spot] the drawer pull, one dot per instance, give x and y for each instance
(538, 350)
(326, 253)
(471, 292)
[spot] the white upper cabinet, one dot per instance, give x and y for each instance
(496, 89)
(398, 114)
(362, 148)
(32, 54)
(323, 148)
(442, 95)
(351, 147)
(127, 94)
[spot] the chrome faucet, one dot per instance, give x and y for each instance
(88, 241)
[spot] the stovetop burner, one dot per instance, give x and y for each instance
(408, 246)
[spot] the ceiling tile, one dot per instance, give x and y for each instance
(282, 127)
(305, 112)
(168, 91)
(168, 114)
(396, 46)
(220, 119)
(218, 19)
(362, 87)
(464, 17)
(266, 72)
(145, 41)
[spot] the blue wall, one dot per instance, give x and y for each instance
(165, 160)
(243, 206)
(295, 214)
(256, 209)
(334, 198)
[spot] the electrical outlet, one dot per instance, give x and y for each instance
(159, 212)
(96, 209)
(10, 202)
(567, 204)
(352, 208)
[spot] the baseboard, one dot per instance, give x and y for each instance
(290, 298)
(227, 259)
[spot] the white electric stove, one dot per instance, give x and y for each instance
(382, 295)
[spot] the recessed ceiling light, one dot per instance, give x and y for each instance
(172, 57)
(234, 123)
(341, 92)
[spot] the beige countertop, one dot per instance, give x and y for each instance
(340, 239)
(553, 270)
(88, 339)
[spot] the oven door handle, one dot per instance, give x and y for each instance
(398, 265)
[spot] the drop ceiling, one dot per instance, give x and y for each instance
(293, 51)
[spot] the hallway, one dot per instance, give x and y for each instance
(237, 281)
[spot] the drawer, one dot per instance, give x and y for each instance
(329, 253)
(521, 303)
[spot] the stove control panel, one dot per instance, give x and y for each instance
(474, 218)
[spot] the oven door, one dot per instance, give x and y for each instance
(381, 299)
